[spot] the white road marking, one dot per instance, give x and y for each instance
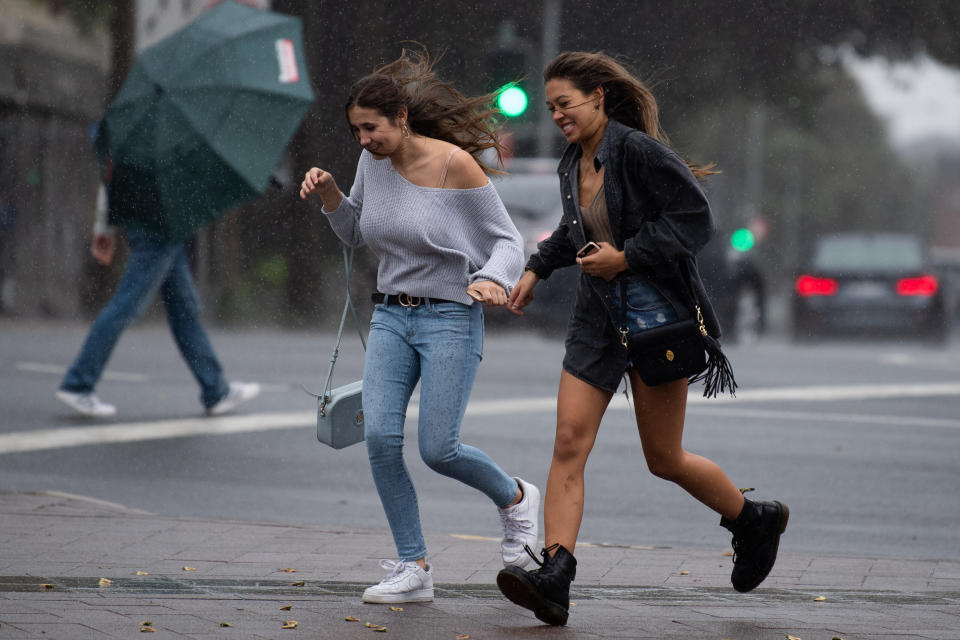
(124, 376)
(45, 439)
(59, 370)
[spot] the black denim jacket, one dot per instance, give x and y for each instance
(660, 219)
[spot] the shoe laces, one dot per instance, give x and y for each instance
(514, 528)
(543, 552)
(396, 568)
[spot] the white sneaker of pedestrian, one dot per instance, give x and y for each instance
(86, 403)
(520, 527)
(407, 582)
(239, 393)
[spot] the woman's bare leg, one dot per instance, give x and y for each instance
(660, 414)
(580, 406)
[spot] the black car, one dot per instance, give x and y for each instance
(869, 283)
(531, 194)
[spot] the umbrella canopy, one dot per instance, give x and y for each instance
(203, 118)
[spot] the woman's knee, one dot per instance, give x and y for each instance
(572, 443)
(382, 445)
(438, 455)
(667, 465)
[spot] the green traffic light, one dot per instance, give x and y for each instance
(742, 240)
(512, 101)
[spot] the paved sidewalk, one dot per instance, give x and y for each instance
(193, 578)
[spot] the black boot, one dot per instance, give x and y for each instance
(545, 591)
(756, 538)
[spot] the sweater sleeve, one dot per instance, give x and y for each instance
(345, 219)
(493, 229)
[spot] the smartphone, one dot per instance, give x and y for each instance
(476, 296)
(587, 249)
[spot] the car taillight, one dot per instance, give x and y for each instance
(813, 286)
(924, 286)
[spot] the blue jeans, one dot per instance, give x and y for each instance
(441, 346)
(154, 265)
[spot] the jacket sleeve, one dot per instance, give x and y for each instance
(677, 222)
(554, 252)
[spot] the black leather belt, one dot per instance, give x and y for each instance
(404, 300)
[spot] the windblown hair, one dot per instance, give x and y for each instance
(434, 108)
(626, 99)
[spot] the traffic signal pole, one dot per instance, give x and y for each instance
(549, 48)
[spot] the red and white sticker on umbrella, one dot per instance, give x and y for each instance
(287, 59)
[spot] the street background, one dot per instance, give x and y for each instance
(866, 460)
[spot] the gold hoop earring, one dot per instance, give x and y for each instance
(405, 129)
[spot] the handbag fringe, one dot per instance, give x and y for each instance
(718, 376)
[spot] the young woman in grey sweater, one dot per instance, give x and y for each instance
(422, 202)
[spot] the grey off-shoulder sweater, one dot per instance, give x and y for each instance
(430, 242)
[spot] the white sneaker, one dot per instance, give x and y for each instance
(86, 403)
(520, 527)
(407, 582)
(239, 393)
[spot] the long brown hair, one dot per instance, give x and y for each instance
(626, 99)
(434, 108)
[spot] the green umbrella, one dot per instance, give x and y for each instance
(203, 118)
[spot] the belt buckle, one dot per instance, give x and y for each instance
(408, 301)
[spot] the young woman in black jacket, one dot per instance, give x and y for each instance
(625, 190)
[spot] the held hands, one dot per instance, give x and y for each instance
(604, 263)
(487, 292)
(522, 293)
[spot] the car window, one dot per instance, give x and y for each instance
(863, 253)
(529, 196)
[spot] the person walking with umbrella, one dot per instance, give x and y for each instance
(156, 265)
(184, 140)
(423, 203)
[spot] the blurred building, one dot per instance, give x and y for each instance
(52, 87)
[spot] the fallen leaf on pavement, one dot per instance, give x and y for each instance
(286, 607)
(463, 637)
(298, 583)
(746, 489)
(189, 568)
(375, 627)
(352, 619)
(727, 553)
(104, 582)
(46, 586)
(790, 637)
(287, 570)
(290, 624)
(225, 624)
(820, 598)
(147, 630)
(142, 573)
(684, 573)
(396, 608)
(146, 623)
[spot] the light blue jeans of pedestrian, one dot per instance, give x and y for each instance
(155, 265)
(441, 346)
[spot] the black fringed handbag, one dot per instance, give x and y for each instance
(682, 349)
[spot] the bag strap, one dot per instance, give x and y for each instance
(348, 255)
